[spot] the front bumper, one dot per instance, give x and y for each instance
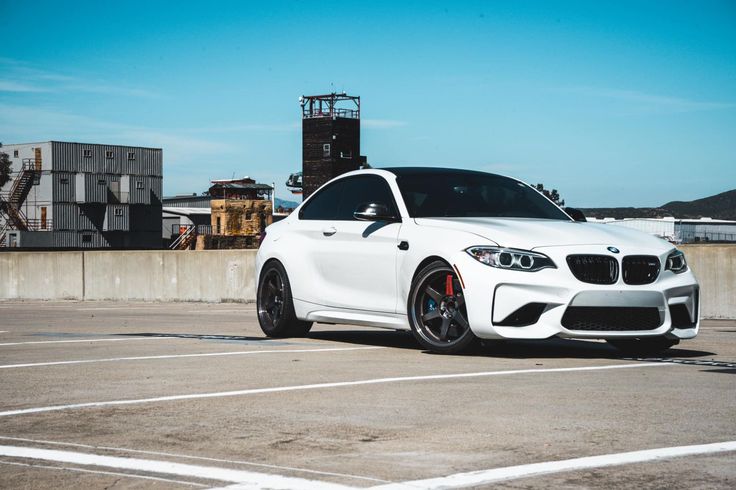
(494, 295)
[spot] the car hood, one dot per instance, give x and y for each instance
(526, 233)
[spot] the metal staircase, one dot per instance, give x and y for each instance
(3, 233)
(11, 202)
(185, 240)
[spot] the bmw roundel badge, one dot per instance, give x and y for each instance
(613, 250)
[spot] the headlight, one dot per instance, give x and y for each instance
(676, 262)
(511, 258)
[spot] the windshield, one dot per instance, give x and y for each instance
(448, 193)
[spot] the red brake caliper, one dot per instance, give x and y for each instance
(448, 286)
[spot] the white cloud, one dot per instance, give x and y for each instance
(652, 102)
(13, 86)
(26, 78)
(39, 124)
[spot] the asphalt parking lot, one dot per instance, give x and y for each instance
(101, 395)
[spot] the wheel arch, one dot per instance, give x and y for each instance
(424, 263)
(263, 267)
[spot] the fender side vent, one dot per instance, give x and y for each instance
(680, 317)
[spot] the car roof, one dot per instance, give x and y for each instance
(401, 171)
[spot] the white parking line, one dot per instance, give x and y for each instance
(257, 480)
(97, 472)
(257, 391)
(177, 356)
(85, 340)
(495, 475)
(200, 458)
(3, 331)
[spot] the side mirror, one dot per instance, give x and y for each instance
(373, 211)
(575, 214)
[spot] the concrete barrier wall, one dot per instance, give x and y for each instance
(41, 275)
(211, 275)
(715, 268)
(228, 275)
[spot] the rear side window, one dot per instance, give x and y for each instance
(339, 201)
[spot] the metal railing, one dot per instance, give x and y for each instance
(345, 113)
(705, 237)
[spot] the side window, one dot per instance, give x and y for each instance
(323, 205)
(364, 189)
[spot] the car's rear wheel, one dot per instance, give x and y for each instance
(643, 346)
(437, 311)
(275, 304)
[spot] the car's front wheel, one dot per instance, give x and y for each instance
(643, 346)
(275, 304)
(437, 311)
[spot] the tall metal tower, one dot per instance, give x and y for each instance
(330, 138)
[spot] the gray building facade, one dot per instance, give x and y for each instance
(78, 195)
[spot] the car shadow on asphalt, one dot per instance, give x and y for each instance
(213, 338)
(513, 349)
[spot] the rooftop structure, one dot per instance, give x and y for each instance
(330, 138)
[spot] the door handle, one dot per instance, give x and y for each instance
(329, 231)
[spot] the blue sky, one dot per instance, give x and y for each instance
(613, 103)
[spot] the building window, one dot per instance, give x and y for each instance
(118, 212)
(109, 154)
(101, 182)
(87, 238)
(87, 153)
(346, 154)
(15, 153)
(64, 180)
(131, 155)
(326, 150)
(81, 211)
(139, 184)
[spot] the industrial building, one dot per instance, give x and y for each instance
(79, 195)
(679, 230)
(231, 214)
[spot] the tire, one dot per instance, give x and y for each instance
(437, 311)
(275, 305)
(644, 346)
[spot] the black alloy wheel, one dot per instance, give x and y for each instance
(437, 311)
(275, 304)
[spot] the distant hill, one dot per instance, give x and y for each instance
(286, 204)
(720, 206)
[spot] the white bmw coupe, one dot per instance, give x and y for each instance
(457, 255)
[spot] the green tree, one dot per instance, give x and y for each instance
(4, 168)
(553, 195)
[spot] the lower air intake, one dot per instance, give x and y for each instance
(611, 319)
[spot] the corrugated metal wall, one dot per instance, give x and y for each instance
(64, 187)
(117, 218)
(70, 157)
(87, 202)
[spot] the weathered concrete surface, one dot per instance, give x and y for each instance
(211, 275)
(368, 433)
(715, 268)
(41, 275)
